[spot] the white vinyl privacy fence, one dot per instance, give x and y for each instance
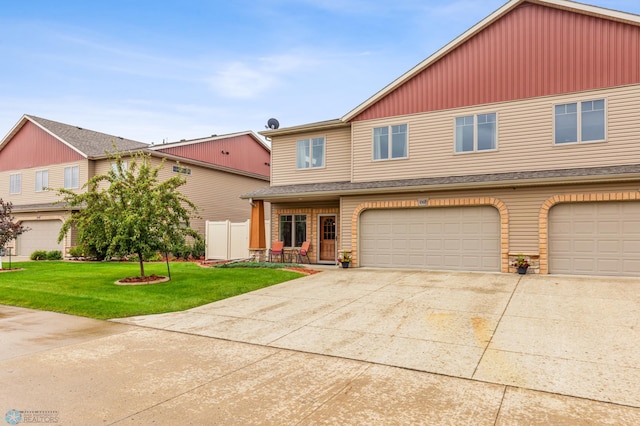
(228, 240)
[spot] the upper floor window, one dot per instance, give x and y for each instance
(390, 142)
(114, 168)
(579, 122)
(293, 229)
(15, 184)
(476, 133)
(71, 177)
(310, 153)
(182, 170)
(42, 180)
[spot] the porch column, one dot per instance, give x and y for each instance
(257, 243)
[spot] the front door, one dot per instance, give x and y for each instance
(327, 239)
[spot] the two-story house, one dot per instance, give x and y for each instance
(518, 137)
(39, 155)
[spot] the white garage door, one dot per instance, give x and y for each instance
(42, 236)
(595, 239)
(454, 238)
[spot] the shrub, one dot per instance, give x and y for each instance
(54, 255)
(39, 255)
(147, 257)
(181, 251)
(198, 248)
(77, 251)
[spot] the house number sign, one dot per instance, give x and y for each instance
(423, 202)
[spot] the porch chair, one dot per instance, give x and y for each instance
(277, 250)
(304, 252)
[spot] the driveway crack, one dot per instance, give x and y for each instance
(506, 306)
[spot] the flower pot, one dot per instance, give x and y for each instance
(522, 270)
(345, 264)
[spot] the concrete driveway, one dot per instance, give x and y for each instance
(354, 347)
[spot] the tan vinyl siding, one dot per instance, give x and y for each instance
(337, 159)
(216, 193)
(524, 140)
(523, 206)
(28, 195)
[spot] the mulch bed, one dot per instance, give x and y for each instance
(303, 270)
(146, 279)
(149, 279)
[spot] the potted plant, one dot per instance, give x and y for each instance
(344, 258)
(522, 264)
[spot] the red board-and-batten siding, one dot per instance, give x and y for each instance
(33, 147)
(531, 51)
(242, 154)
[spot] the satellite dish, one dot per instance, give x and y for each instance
(273, 124)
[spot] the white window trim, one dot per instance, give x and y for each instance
(579, 102)
(475, 133)
(373, 150)
(324, 153)
(71, 186)
(44, 187)
(19, 177)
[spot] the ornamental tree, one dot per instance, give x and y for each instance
(9, 229)
(129, 211)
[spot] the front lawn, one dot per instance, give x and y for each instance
(88, 289)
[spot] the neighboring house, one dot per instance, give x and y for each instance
(38, 154)
(518, 137)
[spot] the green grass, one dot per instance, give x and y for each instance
(88, 289)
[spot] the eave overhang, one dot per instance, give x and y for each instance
(335, 190)
(311, 127)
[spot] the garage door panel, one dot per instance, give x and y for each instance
(608, 265)
(632, 247)
(582, 227)
(632, 265)
(456, 238)
(608, 227)
(609, 247)
(583, 246)
(416, 244)
(631, 227)
(595, 238)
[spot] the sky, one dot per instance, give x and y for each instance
(161, 70)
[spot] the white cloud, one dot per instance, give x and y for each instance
(247, 80)
(239, 80)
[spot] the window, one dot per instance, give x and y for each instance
(114, 167)
(398, 148)
(15, 184)
(71, 177)
(310, 153)
(42, 180)
(579, 122)
(293, 229)
(476, 133)
(183, 170)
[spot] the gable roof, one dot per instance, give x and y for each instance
(480, 26)
(211, 138)
(88, 143)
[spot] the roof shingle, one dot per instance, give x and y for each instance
(88, 142)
